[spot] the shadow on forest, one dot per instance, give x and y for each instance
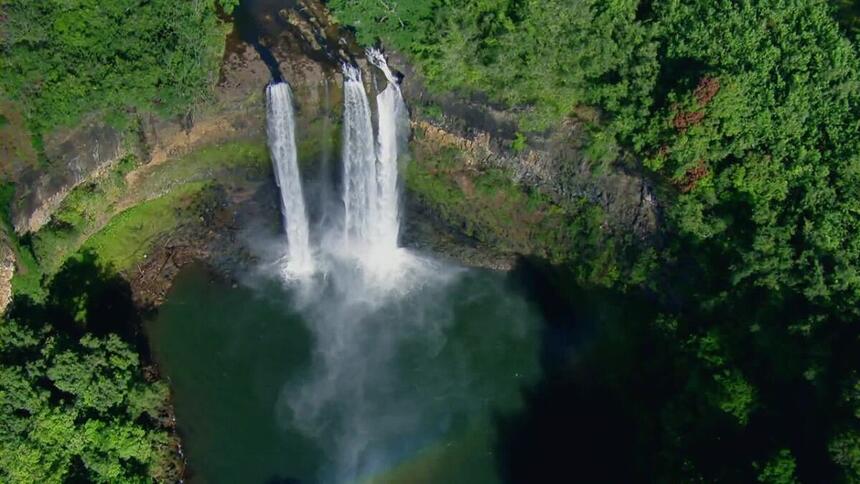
(86, 297)
(621, 400)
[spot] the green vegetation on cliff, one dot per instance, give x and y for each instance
(490, 207)
(120, 213)
(745, 113)
(64, 59)
(77, 403)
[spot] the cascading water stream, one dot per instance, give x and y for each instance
(370, 182)
(363, 272)
(325, 188)
(282, 145)
(391, 112)
(360, 194)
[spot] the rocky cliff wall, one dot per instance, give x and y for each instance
(554, 162)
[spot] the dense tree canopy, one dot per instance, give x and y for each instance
(74, 403)
(66, 58)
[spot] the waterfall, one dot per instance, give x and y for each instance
(368, 232)
(392, 116)
(360, 193)
(282, 144)
(370, 169)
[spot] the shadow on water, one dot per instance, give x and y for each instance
(623, 399)
(603, 374)
(284, 480)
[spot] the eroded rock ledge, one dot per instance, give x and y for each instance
(553, 162)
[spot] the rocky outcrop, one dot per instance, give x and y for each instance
(74, 155)
(558, 168)
(553, 162)
(84, 152)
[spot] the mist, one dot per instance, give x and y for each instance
(367, 299)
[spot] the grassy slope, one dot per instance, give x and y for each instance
(130, 234)
(120, 219)
(16, 148)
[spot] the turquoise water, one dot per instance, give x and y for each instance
(273, 384)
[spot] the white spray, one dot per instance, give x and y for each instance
(367, 274)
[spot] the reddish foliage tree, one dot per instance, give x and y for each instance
(685, 119)
(692, 176)
(706, 90)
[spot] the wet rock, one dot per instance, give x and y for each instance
(243, 73)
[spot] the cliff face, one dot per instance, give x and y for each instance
(555, 162)
(269, 43)
(73, 155)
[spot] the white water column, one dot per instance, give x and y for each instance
(360, 192)
(391, 111)
(282, 145)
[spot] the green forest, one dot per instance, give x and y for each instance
(77, 402)
(744, 114)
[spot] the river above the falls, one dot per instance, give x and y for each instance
(409, 390)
